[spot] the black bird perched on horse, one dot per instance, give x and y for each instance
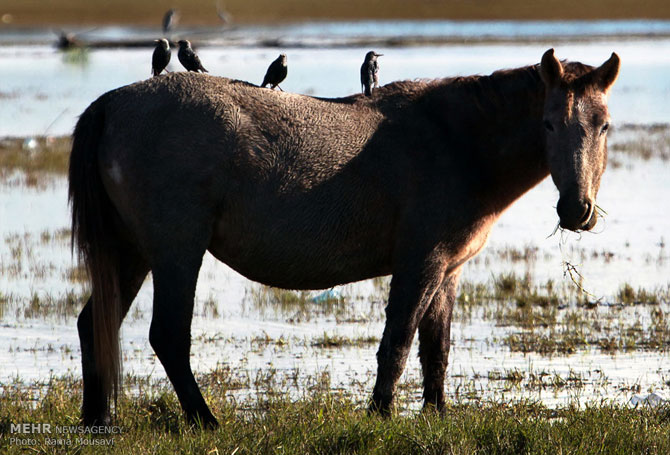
(161, 56)
(276, 73)
(189, 58)
(370, 72)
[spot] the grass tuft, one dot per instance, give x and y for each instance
(45, 155)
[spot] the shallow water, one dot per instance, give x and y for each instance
(629, 244)
(325, 33)
(227, 321)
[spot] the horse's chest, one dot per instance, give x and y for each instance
(471, 244)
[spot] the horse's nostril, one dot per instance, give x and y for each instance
(586, 216)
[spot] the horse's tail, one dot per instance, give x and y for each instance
(97, 244)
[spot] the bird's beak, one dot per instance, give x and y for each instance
(379, 55)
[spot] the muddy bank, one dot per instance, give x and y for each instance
(204, 12)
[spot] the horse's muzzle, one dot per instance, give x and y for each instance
(576, 214)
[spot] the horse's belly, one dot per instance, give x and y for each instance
(317, 256)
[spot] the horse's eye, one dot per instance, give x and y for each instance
(604, 129)
(548, 125)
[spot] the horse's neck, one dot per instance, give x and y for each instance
(510, 142)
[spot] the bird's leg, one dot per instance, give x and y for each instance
(280, 88)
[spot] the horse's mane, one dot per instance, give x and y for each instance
(496, 86)
(572, 71)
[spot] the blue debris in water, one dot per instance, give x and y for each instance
(330, 294)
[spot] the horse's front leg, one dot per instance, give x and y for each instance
(434, 341)
(413, 287)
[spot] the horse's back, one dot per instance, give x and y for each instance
(281, 184)
(233, 123)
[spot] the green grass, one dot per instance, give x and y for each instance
(76, 274)
(556, 320)
(584, 329)
(49, 157)
(337, 341)
(323, 423)
(60, 306)
(510, 299)
(627, 295)
(538, 380)
(4, 300)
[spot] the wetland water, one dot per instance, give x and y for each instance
(506, 343)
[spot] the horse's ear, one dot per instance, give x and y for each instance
(551, 69)
(606, 74)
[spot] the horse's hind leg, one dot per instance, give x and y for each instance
(434, 341)
(170, 334)
(132, 271)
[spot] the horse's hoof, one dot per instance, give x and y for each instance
(434, 408)
(97, 421)
(380, 407)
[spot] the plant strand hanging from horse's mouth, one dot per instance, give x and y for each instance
(307, 193)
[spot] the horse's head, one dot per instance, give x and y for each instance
(576, 122)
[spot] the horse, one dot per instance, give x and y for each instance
(299, 192)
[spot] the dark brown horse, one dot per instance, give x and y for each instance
(307, 193)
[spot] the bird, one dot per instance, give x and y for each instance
(67, 41)
(188, 57)
(161, 56)
(276, 72)
(170, 19)
(370, 72)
